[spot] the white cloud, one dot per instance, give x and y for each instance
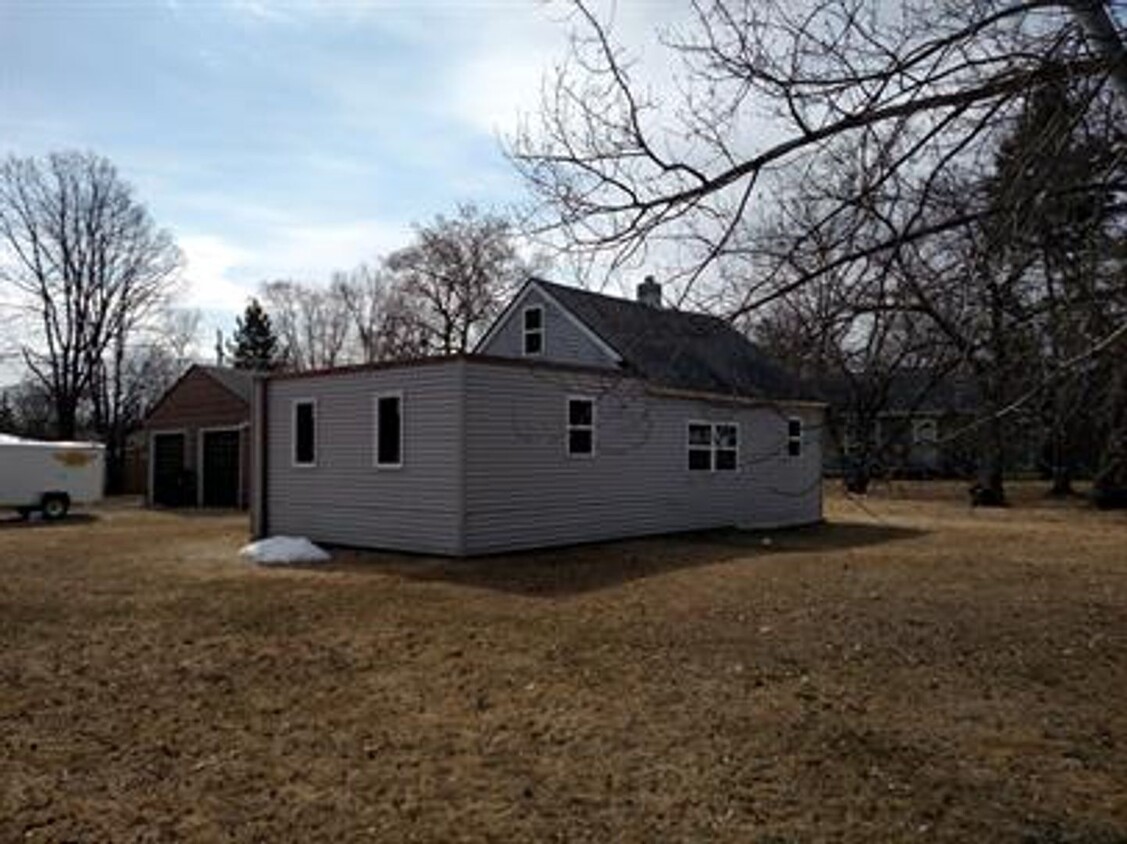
(313, 251)
(214, 266)
(494, 88)
(222, 272)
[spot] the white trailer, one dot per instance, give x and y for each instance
(49, 476)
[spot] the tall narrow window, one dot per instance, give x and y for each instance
(726, 437)
(533, 330)
(713, 447)
(389, 430)
(304, 433)
(700, 447)
(794, 437)
(580, 427)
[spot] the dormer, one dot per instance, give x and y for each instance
(537, 326)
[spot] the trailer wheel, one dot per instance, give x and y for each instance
(54, 506)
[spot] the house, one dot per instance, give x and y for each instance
(901, 424)
(920, 423)
(579, 417)
(198, 440)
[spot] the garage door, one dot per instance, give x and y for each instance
(221, 468)
(168, 470)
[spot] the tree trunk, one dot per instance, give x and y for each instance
(990, 490)
(1062, 465)
(1109, 488)
(66, 417)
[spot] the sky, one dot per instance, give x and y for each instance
(284, 139)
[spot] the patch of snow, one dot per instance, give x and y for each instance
(8, 439)
(283, 550)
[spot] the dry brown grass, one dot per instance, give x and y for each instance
(913, 670)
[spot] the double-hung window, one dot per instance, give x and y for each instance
(713, 446)
(794, 437)
(580, 426)
(533, 330)
(388, 433)
(304, 433)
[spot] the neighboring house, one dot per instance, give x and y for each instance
(916, 432)
(198, 440)
(579, 417)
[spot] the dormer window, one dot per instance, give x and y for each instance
(533, 330)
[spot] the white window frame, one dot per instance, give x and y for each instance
(294, 405)
(526, 332)
(712, 447)
(568, 427)
(796, 439)
(931, 425)
(387, 394)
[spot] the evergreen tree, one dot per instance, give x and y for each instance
(254, 346)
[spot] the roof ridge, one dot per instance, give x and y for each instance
(623, 300)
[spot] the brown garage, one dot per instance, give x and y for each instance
(198, 440)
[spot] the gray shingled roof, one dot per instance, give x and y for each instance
(911, 391)
(238, 381)
(677, 349)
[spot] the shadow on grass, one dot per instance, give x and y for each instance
(578, 569)
(16, 522)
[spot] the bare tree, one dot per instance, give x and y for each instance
(29, 410)
(383, 322)
(880, 121)
(312, 323)
(772, 86)
(129, 382)
(456, 274)
(88, 265)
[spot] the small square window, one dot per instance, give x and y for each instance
(700, 435)
(726, 436)
(580, 441)
(924, 432)
(713, 447)
(580, 412)
(700, 460)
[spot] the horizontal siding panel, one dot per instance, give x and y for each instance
(523, 490)
(346, 500)
(563, 341)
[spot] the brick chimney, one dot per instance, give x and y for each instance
(649, 292)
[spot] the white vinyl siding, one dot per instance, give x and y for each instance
(486, 465)
(347, 501)
(564, 338)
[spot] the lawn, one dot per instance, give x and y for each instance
(911, 671)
